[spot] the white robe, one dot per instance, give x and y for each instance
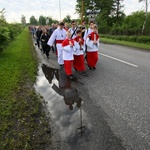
(58, 34)
(91, 47)
(72, 31)
(87, 32)
(77, 49)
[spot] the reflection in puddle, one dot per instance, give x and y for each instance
(64, 104)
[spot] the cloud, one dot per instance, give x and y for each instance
(14, 9)
(132, 6)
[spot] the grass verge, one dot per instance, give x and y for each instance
(125, 43)
(23, 123)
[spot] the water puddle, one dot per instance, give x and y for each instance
(65, 107)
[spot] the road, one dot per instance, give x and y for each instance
(115, 97)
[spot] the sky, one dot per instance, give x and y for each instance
(16, 8)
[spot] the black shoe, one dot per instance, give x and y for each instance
(75, 69)
(84, 73)
(61, 66)
(71, 77)
(90, 68)
(94, 68)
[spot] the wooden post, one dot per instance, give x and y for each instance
(82, 11)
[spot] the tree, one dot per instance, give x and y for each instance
(42, 20)
(2, 17)
(67, 19)
(49, 20)
(116, 12)
(33, 21)
(23, 20)
(146, 13)
(133, 23)
(108, 12)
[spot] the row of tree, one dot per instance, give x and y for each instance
(111, 18)
(47, 20)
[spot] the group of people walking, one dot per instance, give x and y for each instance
(74, 45)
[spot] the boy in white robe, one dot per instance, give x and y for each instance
(78, 62)
(92, 43)
(68, 51)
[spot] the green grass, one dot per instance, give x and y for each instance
(125, 43)
(23, 123)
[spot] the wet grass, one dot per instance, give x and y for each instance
(125, 43)
(23, 123)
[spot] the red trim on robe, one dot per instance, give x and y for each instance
(59, 41)
(66, 29)
(66, 42)
(78, 62)
(77, 39)
(92, 58)
(91, 36)
(68, 66)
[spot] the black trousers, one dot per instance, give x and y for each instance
(38, 42)
(46, 49)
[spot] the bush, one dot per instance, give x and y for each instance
(138, 39)
(7, 34)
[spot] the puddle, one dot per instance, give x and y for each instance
(65, 107)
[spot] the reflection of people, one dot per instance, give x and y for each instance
(70, 94)
(65, 89)
(70, 102)
(50, 72)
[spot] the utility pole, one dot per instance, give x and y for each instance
(82, 11)
(146, 15)
(60, 10)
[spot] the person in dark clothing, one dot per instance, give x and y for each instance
(44, 39)
(51, 30)
(83, 27)
(38, 35)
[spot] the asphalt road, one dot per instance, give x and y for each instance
(115, 110)
(120, 87)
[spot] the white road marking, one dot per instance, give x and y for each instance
(118, 59)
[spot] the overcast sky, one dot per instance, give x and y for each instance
(16, 8)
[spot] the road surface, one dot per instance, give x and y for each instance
(115, 108)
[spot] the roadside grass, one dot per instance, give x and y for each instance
(125, 43)
(23, 123)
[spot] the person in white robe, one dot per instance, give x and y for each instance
(59, 35)
(73, 29)
(68, 53)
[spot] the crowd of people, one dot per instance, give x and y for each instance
(72, 44)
